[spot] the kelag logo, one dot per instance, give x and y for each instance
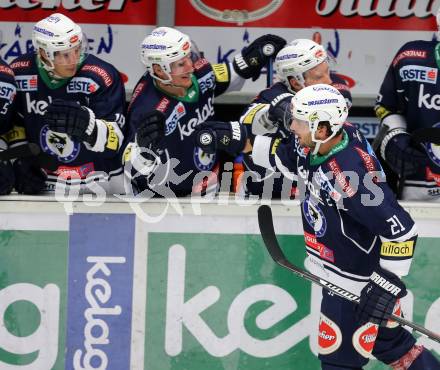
(100, 291)
(32, 299)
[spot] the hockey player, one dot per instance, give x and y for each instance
(7, 95)
(299, 64)
(175, 96)
(72, 105)
(407, 101)
(357, 236)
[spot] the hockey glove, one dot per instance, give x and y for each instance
(6, 177)
(73, 119)
(149, 133)
(254, 57)
(402, 155)
(29, 177)
(379, 297)
(229, 137)
(280, 111)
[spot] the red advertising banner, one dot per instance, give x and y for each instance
(135, 12)
(330, 14)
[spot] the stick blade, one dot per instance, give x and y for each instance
(265, 222)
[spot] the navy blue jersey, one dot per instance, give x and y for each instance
(255, 116)
(7, 95)
(411, 88)
(183, 115)
(351, 219)
(96, 85)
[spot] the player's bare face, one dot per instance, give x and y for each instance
(302, 130)
(181, 72)
(66, 62)
(319, 74)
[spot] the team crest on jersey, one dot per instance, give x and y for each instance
(58, 144)
(207, 82)
(433, 150)
(82, 85)
(7, 91)
(314, 216)
(27, 82)
(202, 160)
(171, 123)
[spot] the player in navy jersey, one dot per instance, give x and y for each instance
(71, 104)
(408, 101)
(7, 96)
(173, 99)
(356, 234)
(299, 64)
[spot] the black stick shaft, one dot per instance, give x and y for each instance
(267, 230)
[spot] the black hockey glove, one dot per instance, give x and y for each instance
(29, 177)
(7, 177)
(280, 111)
(403, 155)
(379, 297)
(254, 57)
(73, 119)
(229, 137)
(149, 133)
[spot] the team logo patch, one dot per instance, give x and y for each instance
(433, 151)
(82, 85)
(202, 160)
(27, 82)
(329, 336)
(206, 82)
(419, 74)
(364, 339)
(315, 217)
(58, 144)
(171, 123)
(7, 91)
(101, 72)
(414, 54)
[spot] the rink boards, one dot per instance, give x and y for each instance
(169, 286)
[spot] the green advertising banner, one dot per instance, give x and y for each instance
(218, 302)
(202, 299)
(33, 275)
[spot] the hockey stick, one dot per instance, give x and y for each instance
(269, 76)
(267, 230)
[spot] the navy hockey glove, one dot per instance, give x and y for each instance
(149, 133)
(379, 297)
(229, 137)
(73, 119)
(254, 57)
(402, 155)
(280, 110)
(29, 177)
(6, 177)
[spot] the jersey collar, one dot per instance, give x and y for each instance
(317, 159)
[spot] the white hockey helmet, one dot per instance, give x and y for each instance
(297, 57)
(163, 46)
(320, 103)
(57, 33)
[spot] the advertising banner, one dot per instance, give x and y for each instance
(191, 292)
(361, 37)
(100, 291)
